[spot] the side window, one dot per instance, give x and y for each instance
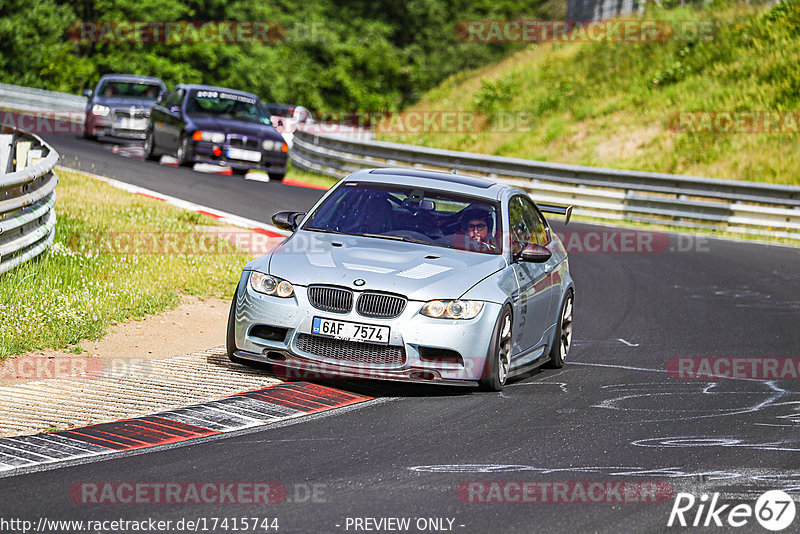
(527, 225)
(174, 99)
(520, 231)
(537, 223)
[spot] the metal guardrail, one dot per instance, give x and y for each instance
(27, 197)
(22, 98)
(668, 199)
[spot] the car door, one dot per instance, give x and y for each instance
(173, 120)
(544, 236)
(532, 302)
(158, 116)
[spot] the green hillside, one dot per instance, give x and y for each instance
(633, 105)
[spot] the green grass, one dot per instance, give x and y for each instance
(310, 178)
(619, 104)
(78, 288)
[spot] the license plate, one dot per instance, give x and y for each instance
(131, 124)
(246, 155)
(351, 331)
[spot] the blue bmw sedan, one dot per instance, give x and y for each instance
(206, 124)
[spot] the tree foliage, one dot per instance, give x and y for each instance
(356, 55)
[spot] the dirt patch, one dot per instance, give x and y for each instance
(193, 326)
(624, 145)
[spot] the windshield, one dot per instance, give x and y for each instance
(147, 91)
(410, 214)
(227, 106)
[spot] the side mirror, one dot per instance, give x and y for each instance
(535, 253)
(288, 220)
(87, 93)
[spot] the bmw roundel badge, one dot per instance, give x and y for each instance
(359, 282)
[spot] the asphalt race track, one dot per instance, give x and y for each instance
(613, 415)
(231, 193)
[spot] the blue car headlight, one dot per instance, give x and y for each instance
(270, 285)
(452, 309)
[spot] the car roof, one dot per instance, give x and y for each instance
(130, 78)
(457, 183)
(200, 87)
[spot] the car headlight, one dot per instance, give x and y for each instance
(211, 137)
(275, 146)
(452, 309)
(270, 285)
(100, 111)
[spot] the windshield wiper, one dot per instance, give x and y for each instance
(405, 238)
(325, 230)
(383, 236)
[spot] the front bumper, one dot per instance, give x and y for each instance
(107, 126)
(421, 338)
(271, 161)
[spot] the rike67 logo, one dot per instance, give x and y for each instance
(774, 510)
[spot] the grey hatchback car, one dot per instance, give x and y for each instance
(412, 275)
(120, 105)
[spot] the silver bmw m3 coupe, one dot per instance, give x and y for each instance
(413, 275)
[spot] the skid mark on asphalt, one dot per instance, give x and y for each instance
(244, 410)
(733, 483)
(706, 441)
(604, 342)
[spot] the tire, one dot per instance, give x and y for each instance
(562, 340)
(498, 359)
(239, 172)
(182, 154)
(230, 338)
(149, 147)
(87, 135)
(274, 177)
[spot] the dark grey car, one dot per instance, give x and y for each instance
(120, 104)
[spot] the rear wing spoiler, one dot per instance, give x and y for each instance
(560, 210)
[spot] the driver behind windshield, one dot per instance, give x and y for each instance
(477, 230)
